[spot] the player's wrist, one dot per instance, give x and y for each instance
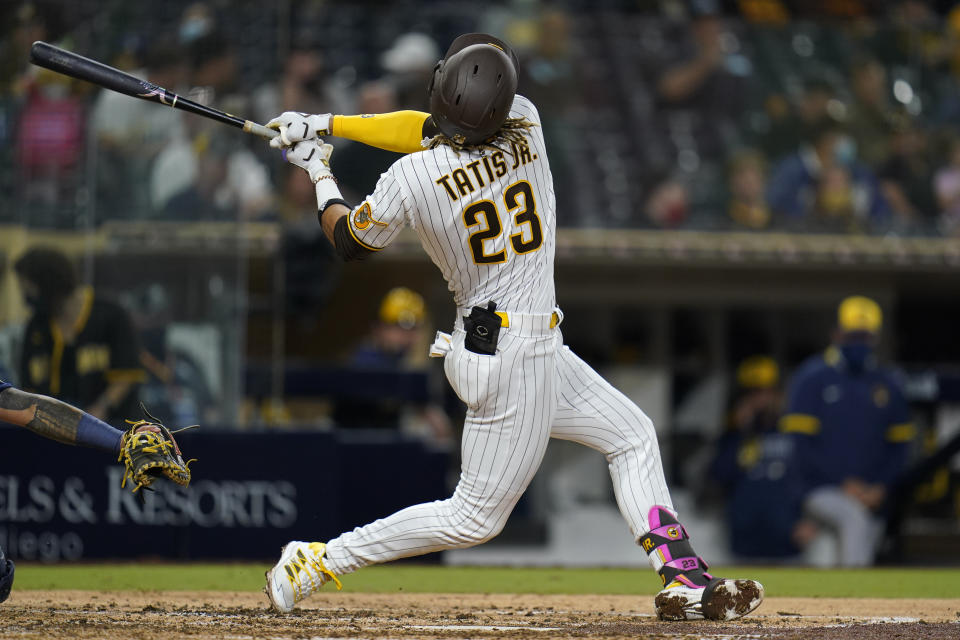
(321, 124)
(327, 193)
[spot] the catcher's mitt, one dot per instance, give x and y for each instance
(148, 451)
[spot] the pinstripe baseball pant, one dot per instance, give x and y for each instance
(533, 389)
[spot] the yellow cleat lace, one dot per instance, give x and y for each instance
(312, 566)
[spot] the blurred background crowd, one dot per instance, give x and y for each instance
(727, 172)
(748, 114)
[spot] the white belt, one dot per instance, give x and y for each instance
(530, 324)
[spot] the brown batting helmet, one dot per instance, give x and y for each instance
(473, 88)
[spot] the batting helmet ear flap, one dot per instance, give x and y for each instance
(434, 76)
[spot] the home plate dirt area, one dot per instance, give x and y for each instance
(170, 615)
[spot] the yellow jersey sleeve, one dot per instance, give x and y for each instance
(400, 131)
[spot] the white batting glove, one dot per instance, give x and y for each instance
(313, 156)
(296, 127)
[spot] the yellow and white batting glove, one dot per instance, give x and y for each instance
(296, 127)
(313, 156)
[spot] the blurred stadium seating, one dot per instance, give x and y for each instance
(619, 138)
(241, 301)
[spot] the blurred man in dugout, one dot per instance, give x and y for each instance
(396, 343)
(76, 347)
(754, 467)
(853, 433)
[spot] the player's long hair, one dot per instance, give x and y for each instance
(511, 132)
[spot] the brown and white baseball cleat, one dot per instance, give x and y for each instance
(720, 599)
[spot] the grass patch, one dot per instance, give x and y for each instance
(779, 582)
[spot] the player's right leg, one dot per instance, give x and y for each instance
(592, 412)
(6, 575)
(510, 400)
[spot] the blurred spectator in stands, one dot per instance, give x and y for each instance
(852, 430)
(409, 64)
(755, 468)
(668, 204)
(306, 86)
(245, 189)
(911, 33)
(228, 182)
(28, 22)
(213, 60)
(296, 200)
(792, 123)
(50, 140)
(311, 267)
(946, 184)
(131, 133)
(207, 195)
(871, 116)
(764, 12)
(391, 347)
(214, 70)
(747, 184)
(549, 78)
(77, 347)
(547, 72)
(196, 21)
(178, 389)
(952, 33)
(835, 205)
(823, 184)
(360, 164)
(905, 176)
(707, 79)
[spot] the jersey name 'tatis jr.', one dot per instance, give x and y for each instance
(458, 182)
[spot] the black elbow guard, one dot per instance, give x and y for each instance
(346, 245)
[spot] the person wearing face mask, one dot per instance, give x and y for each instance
(753, 467)
(77, 347)
(823, 184)
(853, 432)
(391, 347)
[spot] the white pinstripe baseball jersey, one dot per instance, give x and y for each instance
(487, 219)
(482, 217)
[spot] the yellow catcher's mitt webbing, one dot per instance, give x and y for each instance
(149, 451)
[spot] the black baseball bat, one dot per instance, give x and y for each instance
(76, 66)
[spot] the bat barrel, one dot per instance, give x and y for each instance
(76, 66)
(82, 68)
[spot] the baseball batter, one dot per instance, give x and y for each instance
(477, 189)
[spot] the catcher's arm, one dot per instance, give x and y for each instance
(148, 450)
(57, 420)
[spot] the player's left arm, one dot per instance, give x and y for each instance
(354, 232)
(399, 131)
(57, 420)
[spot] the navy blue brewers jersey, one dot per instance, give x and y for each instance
(847, 425)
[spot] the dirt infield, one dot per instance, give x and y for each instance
(244, 615)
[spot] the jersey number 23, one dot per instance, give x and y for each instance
(519, 201)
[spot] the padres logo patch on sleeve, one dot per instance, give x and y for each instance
(363, 217)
